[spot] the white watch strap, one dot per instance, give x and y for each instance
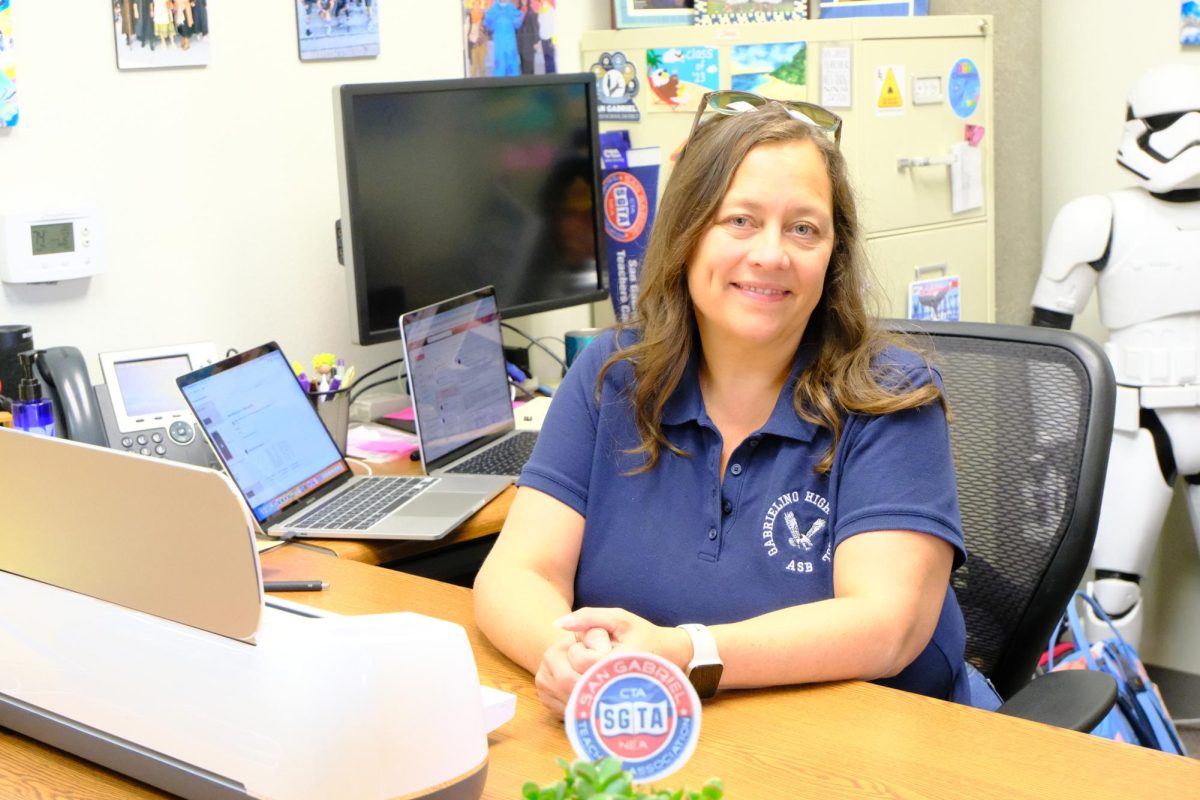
(704, 646)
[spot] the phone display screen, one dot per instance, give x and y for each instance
(148, 385)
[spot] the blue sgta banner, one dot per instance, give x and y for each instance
(630, 193)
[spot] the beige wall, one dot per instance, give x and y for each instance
(1092, 53)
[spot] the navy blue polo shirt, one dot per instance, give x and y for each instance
(675, 545)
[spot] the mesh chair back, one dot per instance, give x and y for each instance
(1032, 423)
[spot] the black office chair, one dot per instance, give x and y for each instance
(1032, 423)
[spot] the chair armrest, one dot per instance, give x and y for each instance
(1075, 699)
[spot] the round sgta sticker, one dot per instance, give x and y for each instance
(639, 708)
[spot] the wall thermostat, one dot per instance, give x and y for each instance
(46, 248)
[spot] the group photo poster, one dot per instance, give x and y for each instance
(327, 30)
(509, 37)
(151, 34)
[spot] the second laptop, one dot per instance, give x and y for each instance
(459, 388)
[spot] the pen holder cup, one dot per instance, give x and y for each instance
(334, 410)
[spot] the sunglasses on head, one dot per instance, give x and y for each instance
(727, 102)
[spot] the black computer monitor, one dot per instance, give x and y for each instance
(450, 185)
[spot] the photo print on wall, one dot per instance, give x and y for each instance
(509, 37)
(331, 29)
(8, 69)
(1189, 23)
(161, 33)
(772, 69)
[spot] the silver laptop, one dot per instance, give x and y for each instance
(291, 474)
(458, 382)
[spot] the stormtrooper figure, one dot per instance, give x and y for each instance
(1139, 248)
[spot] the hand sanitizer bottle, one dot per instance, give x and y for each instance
(32, 412)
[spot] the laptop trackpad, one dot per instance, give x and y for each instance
(434, 504)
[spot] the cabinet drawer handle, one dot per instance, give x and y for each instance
(919, 273)
(924, 161)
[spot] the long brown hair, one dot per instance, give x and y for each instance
(841, 378)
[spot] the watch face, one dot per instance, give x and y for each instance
(705, 678)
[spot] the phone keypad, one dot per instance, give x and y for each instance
(147, 444)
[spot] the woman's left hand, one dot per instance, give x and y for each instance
(628, 631)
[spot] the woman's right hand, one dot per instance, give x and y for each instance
(564, 662)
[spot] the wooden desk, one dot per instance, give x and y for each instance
(829, 741)
(847, 740)
(485, 522)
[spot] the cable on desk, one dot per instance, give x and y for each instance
(528, 394)
(537, 342)
(361, 463)
(384, 366)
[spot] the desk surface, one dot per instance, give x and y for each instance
(847, 740)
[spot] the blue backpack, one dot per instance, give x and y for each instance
(1139, 715)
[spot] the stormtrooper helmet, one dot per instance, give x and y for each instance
(1161, 143)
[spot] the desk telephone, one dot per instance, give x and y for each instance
(138, 407)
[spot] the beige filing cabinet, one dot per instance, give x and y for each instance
(900, 149)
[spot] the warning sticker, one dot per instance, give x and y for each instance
(889, 89)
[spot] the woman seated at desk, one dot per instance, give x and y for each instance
(751, 454)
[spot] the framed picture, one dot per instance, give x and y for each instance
(331, 29)
(650, 13)
(831, 9)
(508, 37)
(165, 33)
(740, 12)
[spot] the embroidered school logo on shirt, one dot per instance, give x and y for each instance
(804, 520)
(639, 708)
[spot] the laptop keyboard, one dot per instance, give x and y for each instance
(506, 457)
(363, 504)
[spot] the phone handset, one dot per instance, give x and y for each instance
(76, 413)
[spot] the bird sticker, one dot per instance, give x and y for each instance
(798, 539)
(666, 86)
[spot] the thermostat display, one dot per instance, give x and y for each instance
(55, 238)
(46, 248)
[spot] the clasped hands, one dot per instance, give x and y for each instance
(590, 634)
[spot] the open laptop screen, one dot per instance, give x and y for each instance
(270, 439)
(456, 372)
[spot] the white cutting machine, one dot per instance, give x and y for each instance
(133, 634)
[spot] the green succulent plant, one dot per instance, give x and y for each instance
(604, 779)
